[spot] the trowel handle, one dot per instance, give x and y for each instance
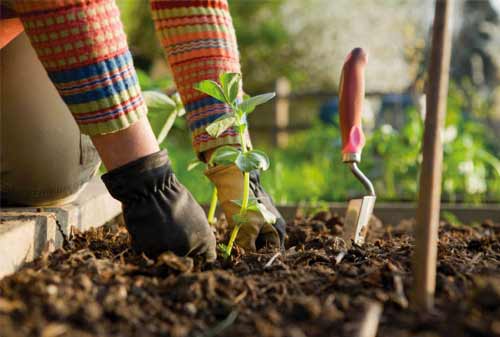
(351, 96)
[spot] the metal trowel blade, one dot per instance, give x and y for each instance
(356, 221)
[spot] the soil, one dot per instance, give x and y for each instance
(97, 286)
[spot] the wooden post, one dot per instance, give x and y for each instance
(426, 232)
(282, 113)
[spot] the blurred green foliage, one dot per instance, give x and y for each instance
(147, 83)
(306, 41)
(264, 43)
(311, 170)
(141, 35)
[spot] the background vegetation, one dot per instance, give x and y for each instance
(306, 41)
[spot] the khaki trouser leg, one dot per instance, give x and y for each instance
(43, 160)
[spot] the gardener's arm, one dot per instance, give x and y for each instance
(200, 43)
(82, 45)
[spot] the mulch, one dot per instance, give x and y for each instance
(97, 286)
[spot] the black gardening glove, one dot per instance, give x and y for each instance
(264, 198)
(160, 213)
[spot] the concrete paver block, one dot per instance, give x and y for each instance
(23, 237)
(25, 231)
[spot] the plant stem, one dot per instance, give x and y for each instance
(213, 206)
(243, 143)
(232, 238)
(246, 194)
(246, 176)
(243, 140)
(243, 211)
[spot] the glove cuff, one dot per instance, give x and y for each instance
(139, 177)
(229, 181)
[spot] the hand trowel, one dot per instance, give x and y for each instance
(351, 96)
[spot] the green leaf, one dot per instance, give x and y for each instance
(451, 219)
(239, 219)
(225, 155)
(145, 81)
(211, 88)
(223, 249)
(194, 164)
(490, 159)
(262, 157)
(249, 104)
(230, 83)
(162, 109)
(269, 217)
(158, 102)
(252, 160)
(176, 97)
(167, 127)
(217, 128)
(256, 206)
(252, 203)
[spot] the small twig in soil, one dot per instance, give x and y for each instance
(240, 297)
(400, 293)
(339, 257)
(270, 262)
(369, 325)
(223, 325)
(121, 254)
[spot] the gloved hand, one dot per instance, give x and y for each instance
(160, 213)
(255, 233)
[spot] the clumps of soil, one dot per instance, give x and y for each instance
(97, 286)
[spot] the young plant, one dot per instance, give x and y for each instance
(246, 159)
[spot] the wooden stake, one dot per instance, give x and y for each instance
(369, 325)
(282, 112)
(426, 233)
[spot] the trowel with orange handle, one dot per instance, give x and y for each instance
(351, 96)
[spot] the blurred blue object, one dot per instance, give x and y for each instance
(391, 109)
(329, 111)
(400, 101)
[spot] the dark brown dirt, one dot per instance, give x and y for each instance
(96, 286)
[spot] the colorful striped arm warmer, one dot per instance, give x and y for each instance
(200, 43)
(82, 45)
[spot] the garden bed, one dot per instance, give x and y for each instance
(96, 286)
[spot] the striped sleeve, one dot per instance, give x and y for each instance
(82, 45)
(200, 43)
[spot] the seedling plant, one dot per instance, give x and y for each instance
(246, 159)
